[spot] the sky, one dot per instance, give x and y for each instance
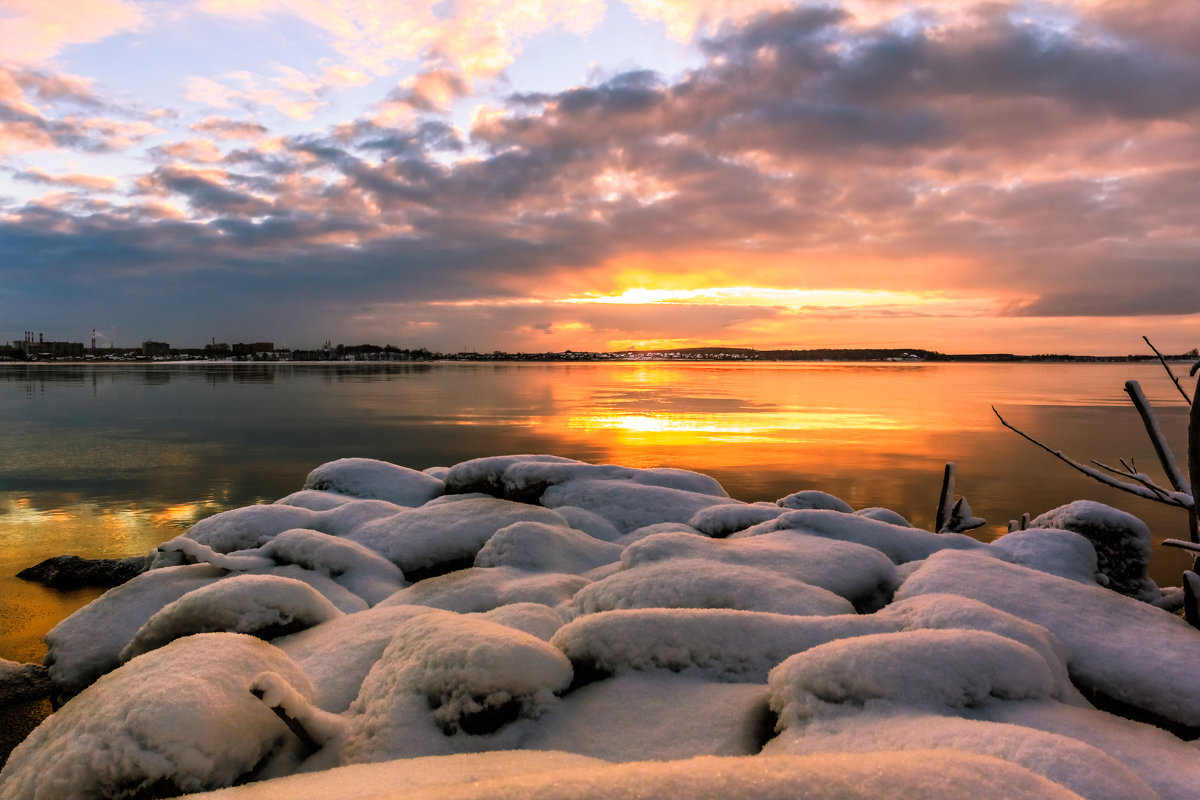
(543, 175)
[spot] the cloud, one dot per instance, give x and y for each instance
(35, 31)
(225, 128)
(102, 183)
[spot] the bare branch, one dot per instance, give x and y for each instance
(946, 499)
(1168, 369)
(1161, 449)
(1191, 547)
(1178, 499)
(1165, 495)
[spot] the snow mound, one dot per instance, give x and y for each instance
(897, 542)
(179, 719)
(455, 675)
(88, 643)
(530, 479)
(1059, 552)
(485, 475)
(249, 527)
(265, 606)
(589, 522)
(368, 478)
(447, 535)
(486, 588)
(546, 548)
(924, 669)
(699, 583)
(1119, 647)
(812, 498)
(1121, 540)
(359, 569)
(629, 505)
(858, 573)
(532, 618)
(720, 521)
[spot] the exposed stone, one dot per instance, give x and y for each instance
(20, 682)
(76, 572)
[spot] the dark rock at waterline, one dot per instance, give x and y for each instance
(76, 572)
(21, 682)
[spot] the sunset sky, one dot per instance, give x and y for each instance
(602, 174)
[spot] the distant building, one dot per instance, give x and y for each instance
(244, 350)
(156, 349)
(44, 349)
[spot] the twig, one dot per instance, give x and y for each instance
(1168, 369)
(1180, 499)
(1161, 448)
(1164, 496)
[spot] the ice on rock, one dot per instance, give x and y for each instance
(897, 542)
(861, 574)
(720, 521)
(447, 683)
(338, 654)
(1121, 540)
(1122, 648)
(379, 480)
(265, 606)
(629, 505)
(589, 522)
(249, 527)
(486, 474)
(1059, 552)
(486, 588)
(546, 548)
(700, 583)
(88, 643)
(179, 719)
(812, 498)
(656, 716)
(355, 567)
(447, 535)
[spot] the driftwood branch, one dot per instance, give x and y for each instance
(1161, 449)
(1175, 380)
(1181, 499)
(946, 500)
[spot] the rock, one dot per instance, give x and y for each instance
(1122, 543)
(20, 682)
(76, 572)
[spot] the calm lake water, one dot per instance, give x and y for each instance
(109, 460)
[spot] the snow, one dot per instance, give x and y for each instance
(547, 548)
(434, 535)
(700, 583)
(262, 605)
(379, 480)
(1121, 542)
(152, 726)
(1127, 650)
(450, 633)
(629, 505)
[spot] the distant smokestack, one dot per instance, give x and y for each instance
(41, 340)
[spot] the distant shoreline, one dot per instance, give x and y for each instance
(376, 354)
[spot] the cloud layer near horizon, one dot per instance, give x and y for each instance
(1004, 176)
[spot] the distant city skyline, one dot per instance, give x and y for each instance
(603, 175)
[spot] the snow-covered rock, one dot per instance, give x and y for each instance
(179, 719)
(629, 505)
(546, 548)
(1121, 540)
(261, 605)
(379, 480)
(486, 588)
(814, 498)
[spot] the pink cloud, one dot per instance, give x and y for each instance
(36, 30)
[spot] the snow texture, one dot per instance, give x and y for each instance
(1121, 540)
(1124, 649)
(652, 637)
(546, 548)
(379, 480)
(151, 727)
(700, 583)
(261, 605)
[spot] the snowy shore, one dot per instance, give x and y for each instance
(534, 626)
